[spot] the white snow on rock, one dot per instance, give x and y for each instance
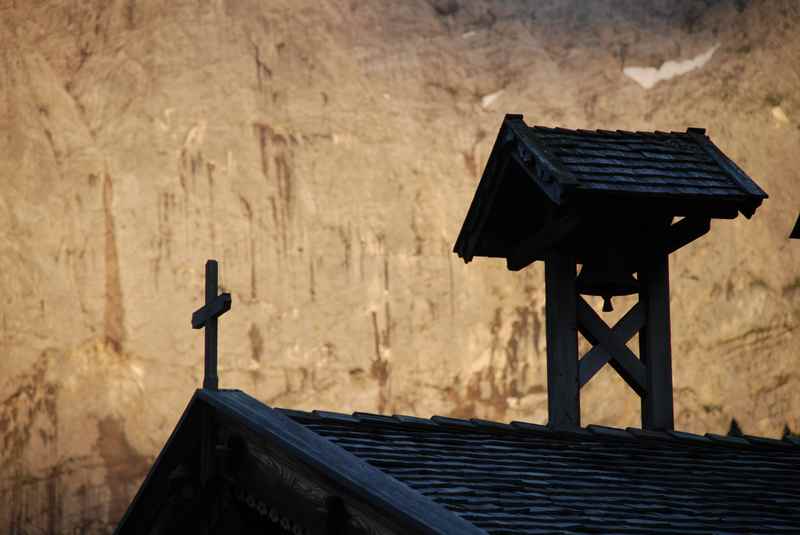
(487, 100)
(647, 77)
(779, 115)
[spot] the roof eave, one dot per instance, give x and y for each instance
(482, 199)
(747, 184)
(554, 180)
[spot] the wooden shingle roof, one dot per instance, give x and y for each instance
(450, 476)
(649, 163)
(521, 478)
(596, 184)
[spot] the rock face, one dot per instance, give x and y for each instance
(326, 152)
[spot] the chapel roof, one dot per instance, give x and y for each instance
(523, 478)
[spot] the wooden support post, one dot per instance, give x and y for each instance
(563, 385)
(654, 345)
(210, 379)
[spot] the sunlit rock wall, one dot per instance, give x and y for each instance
(325, 153)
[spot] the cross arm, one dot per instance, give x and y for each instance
(220, 305)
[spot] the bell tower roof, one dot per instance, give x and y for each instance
(582, 178)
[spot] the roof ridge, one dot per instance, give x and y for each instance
(591, 431)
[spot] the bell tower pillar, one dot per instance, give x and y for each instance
(563, 384)
(655, 349)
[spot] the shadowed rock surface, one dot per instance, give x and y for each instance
(325, 153)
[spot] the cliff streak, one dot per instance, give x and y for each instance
(114, 313)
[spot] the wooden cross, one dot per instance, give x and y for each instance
(206, 316)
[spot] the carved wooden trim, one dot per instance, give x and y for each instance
(292, 491)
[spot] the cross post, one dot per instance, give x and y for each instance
(206, 316)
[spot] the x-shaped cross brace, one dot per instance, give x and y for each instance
(609, 346)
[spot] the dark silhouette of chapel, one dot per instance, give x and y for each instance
(615, 203)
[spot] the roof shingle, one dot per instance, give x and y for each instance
(526, 479)
(674, 163)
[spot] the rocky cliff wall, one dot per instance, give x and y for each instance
(325, 153)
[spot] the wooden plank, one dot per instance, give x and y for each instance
(563, 386)
(536, 246)
(598, 356)
(654, 345)
(623, 360)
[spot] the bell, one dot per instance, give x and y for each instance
(606, 276)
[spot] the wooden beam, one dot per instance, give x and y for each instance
(535, 247)
(598, 356)
(217, 307)
(622, 360)
(684, 232)
(654, 345)
(563, 387)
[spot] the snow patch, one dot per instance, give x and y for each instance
(779, 115)
(647, 77)
(488, 100)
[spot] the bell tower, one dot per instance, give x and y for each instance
(617, 204)
(567, 314)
